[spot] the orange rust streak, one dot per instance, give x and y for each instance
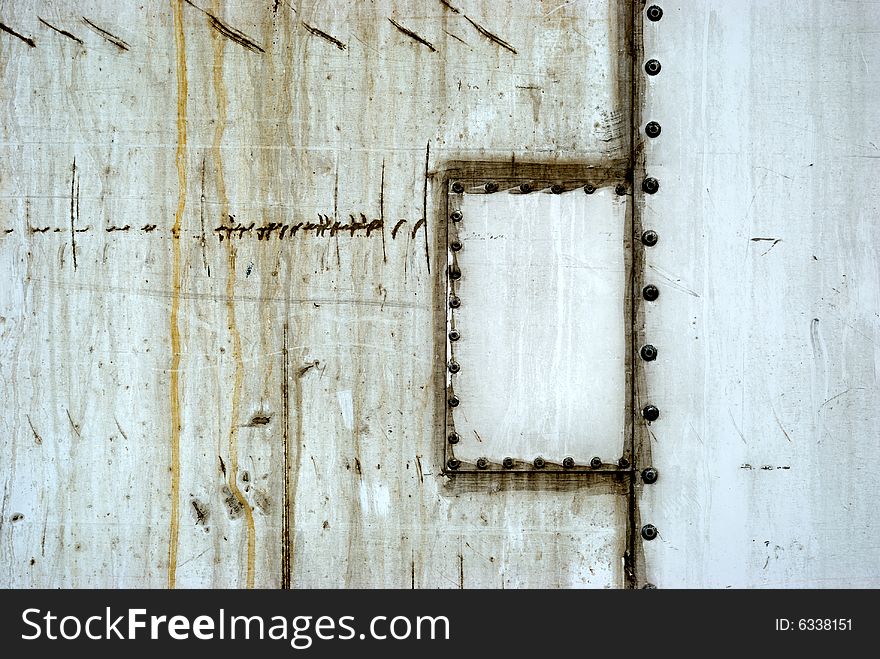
(219, 44)
(174, 532)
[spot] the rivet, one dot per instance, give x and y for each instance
(456, 216)
(457, 187)
(652, 67)
(652, 129)
(620, 189)
(454, 335)
(650, 238)
(649, 586)
(455, 245)
(596, 462)
(482, 463)
(491, 187)
(507, 463)
(539, 462)
(454, 302)
(648, 352)
(650, 475)
(650, 185)
(649, 292)
(453, 464)
(649, 531)
(454, 273)
(557, 188)
(525, 188)
(454, 367)
(568, 463)
(623, 463)
(453, 438)
(453, 401)
(589, 189)
(651, 413)
(654, 13)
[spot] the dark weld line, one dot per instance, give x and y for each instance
(229, 32)
(30, 42)
(74, 210)
(494, 37)
(112, 38)
(318, 33)
(60, 31)
(425, 205)
(413, 35)
(450, 7)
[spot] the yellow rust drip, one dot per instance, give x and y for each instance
(174, 531)
(219, 44)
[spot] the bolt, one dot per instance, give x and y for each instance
(596, 462)
(457, 187)
(454, 273)
(568, 463)
(456, 216)
(453, 438)
(649, 238)
(652, 67)
(507, 463)
(652, 129)
(491, 187)
(650, 475)
(649, 292)
(650, 185)
(454, 302)
(651, 413)
(525, 188)
(649, 531)
(557, 188)
(648, 352)
(453, 401)
(454, 335)
(539, 462)
(454, 367)
(482, 463)
(654, 13)
(623, 463)
(453, 464)
(589, 189)
(455, 245)
(620, 189)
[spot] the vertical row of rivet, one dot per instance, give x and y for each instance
(454, 275)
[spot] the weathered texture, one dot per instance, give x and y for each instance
(197, 394)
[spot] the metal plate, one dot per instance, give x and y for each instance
(536, 366)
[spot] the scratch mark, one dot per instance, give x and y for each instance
(74, 210)
(450, 7)
(419, 467)
(305, 369)
(413, 570)
(72, 424)
(229, 32)
(382, 210)
(60, 31)
(30, 42)
(779, 423)
(413, 35)
(460, 571)
(202, 238)
(492, 37)
(285, 443)
(425, 205)
(396, 227)
(319, 33)
(416, 227)
(112, 38)
(457, 38)
(37, 438)
(357, 466)
(738, 432)
(477, 435)
(674, 282)
(121, 431)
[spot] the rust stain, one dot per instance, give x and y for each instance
(180, 158)
(219, 45)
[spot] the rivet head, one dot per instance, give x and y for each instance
(568, 463)
(589, 189)
(453, 401)
(596, 462)
(482, 463)
(454, 273)
(456, 216)
(652, 67)
(650, 475)
(455, 245)
(648, 352)
(649, 292)
(454, 367)
(654, 13)
(458, 187)
(453, 464)
(525, 188)
(539, 463)
(491, 187)
(557, 188)
(650, 185)
(453, 438)
(650, 413)
(507, 463)
(650, 238)
(623, 463)
(652, 129)
(620, 189)
(455, 302)
(454, 335)
(649, 531)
